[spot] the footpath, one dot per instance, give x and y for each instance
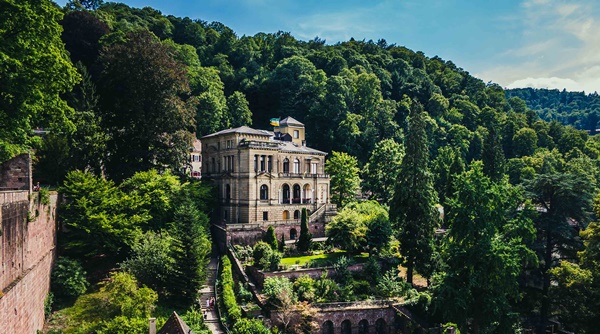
(206, 293)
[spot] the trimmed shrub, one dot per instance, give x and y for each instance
(232, 310)
(68, 278)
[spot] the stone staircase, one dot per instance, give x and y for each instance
(208, 291)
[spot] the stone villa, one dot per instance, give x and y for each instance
(266, 178)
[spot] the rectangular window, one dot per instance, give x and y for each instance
(296, 134)
(270, 164)
(265, 215)
(313, 168)
(256, 163)
(262, 163)
(233, 163)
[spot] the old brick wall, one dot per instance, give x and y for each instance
(15, 174)
(28, 248)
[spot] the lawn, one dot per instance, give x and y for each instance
(322, 259)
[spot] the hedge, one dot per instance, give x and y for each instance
(232, 310)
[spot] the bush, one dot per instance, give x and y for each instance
(362, 288)
(125, 298)
(304, 287)
(48, 305)
(68, 278)
(265, 257)
(246, 326)
(271, 239)
(244, 294)
(44, 196)
(232, 310)
(391, 285)
(195, 320)
(279, 291)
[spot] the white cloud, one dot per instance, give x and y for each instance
(559, 47)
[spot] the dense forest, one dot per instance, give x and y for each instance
(122, 91)
(578, 109)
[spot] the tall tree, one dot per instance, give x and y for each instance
(142, 106)
(345, 181)
(577, 292)
(483, 254)
(192, 247)
(412, 210)
(239, 111)
(305, 239)
(382, 169)
(35, 71)
(271, 239)
(565, 202)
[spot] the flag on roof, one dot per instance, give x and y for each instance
(274, 121)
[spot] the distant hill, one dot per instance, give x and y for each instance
(570, 108)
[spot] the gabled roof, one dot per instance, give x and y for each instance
(243, 130)
(290, 121)
(175, 325)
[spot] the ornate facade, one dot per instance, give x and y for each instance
(265, 177)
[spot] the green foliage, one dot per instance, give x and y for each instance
(347, 231)
(123, 325)
(125, 298)
(152, 262)
(413, 213)
(281, 245)
(35, 72)
(68, 278)
(44, 196)
(305, 240)
(194, 318)
(326, 290)
(483, 253)
(265, 257)
(158, 193)
(345, 181)
(250, 326)
(575, 293)
(191, 250)
(243, 293)
(100, 218)
(143, 106)
(48, 302)
(382, 170)
(304, 287)
(271, 239)
(566, 198)
(391, 285)
(231, 309)
(278, 291)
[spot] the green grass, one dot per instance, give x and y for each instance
(322, 259)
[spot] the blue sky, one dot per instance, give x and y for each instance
(516, 43)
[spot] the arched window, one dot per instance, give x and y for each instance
(286, 194)
(286, 165)
(296, 197)
(327, 327)
(297, 214)
(381, 326)
(264, 192)
(293, 234)
(346, 327)
(296, 166)
(363, 326)
(286, 215)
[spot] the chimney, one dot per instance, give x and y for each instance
(152, 323)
